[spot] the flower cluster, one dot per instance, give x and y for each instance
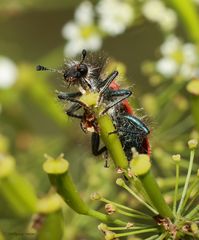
(110, 18)
(91, 24)
(178, 60)
(156, 11)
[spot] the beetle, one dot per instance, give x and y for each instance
(87, 76)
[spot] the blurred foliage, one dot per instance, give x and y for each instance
(33, 122)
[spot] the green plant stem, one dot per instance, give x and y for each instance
(132, 215)
(166, 184)
(104, 218)
(124, 207)
(66, 188)
(146, 230)
(19, 193)
(140, 200)
(125, 228)
(193, 212)
(176, 188)
(112, 142)
(186, 182)
(192, 200)
(193, 89)
(189, 16)
(168, 93)
(162, 236)
(53, 227)
(155, 195)
(57, 170)
(191, 188)
(154, 237)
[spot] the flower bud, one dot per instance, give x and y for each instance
(120, 182)
(95, 196)
(176, 158)
(103, 227)
(110, 208)
(192, 143)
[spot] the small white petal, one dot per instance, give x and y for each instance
(111, 27)
(94, 43)
(169, 20)
(8, 72)
(74, 47)
(190, 53)
(114, 16)
(186, 71)
(84, 14)
(171, 45)
(153, 10)
(70, 30)
(167, 67)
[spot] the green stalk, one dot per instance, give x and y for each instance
(53, 227)
(57, 170)
(141, 167)
(112, 142)
(191, 202)
(155, 195)
(126, 208)
(125, 228)
(193, 212)
(176, 188)
(191, 188)
(189, 16)
(146, 230)
(17, 191)
(132, 215)
(121, 183)
(193, 89)
(186, 182)
(154, 237)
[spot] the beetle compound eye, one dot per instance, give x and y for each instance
(83, 69)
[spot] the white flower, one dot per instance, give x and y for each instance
(190, 53)
(187, 71)
(153, 10)
(84, 14)
(169, 20)
(75, 46)
(171, 45)
(8, 72)
(156, 11)
(114, 16)
(81, 33)
(178, 59)
(167, 67)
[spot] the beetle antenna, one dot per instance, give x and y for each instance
(42, 68)
(83, 55)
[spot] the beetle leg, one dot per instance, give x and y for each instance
(120, 94)
(95, 142)
(66, 96)
(71, 111)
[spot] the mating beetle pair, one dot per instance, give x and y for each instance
(87, 76)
